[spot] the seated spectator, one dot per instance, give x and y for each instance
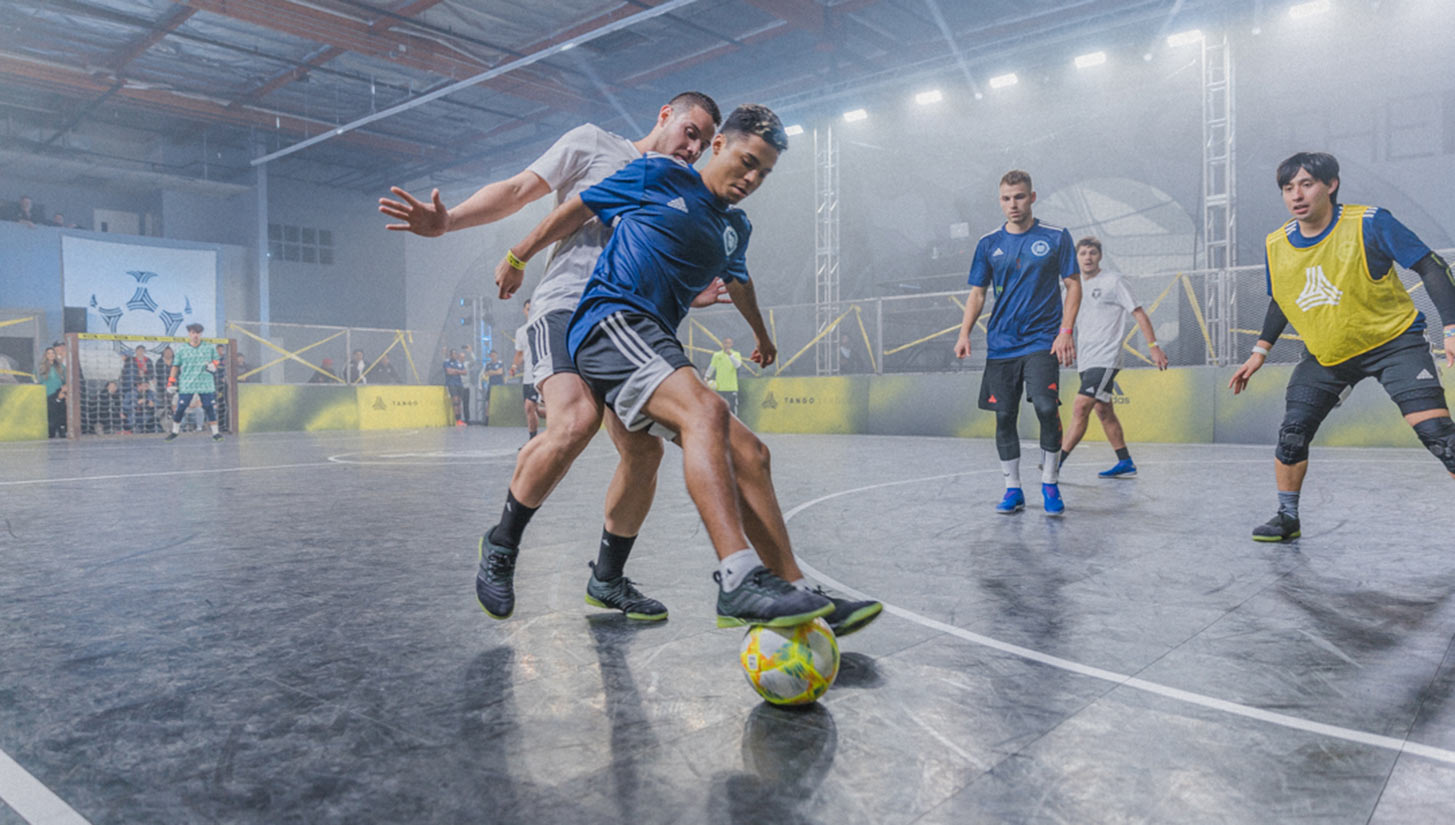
(383, 372)
(144, 414)
(52, 373)
(136, 368)
(24, 212)
(319, 377)
(193, 418)
(106, 413)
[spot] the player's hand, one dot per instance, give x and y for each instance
(427, 219)
(1159, 358)
(764, 353)
(1240, 378)
(508, 278)
(716, 293)
(1064, 349)
(1449, 347)
(962, 347)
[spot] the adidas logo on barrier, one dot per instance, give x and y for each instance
(379, 403)
(1118, 395)
(769, 402)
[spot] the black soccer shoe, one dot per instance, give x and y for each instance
(495, 583)
(1281, 527)
(850, 616)
(765, 599)
(621, 593)
(170, 437)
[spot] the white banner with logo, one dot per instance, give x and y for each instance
(138, 289)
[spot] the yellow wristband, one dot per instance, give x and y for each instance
(514, 262)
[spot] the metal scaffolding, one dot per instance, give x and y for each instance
(826, 248)
(1219, 191)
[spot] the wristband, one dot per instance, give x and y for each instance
(515, 263)
(1261, 350)
(1151, 344)
(1066, 330)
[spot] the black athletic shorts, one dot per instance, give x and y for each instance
(624, 359)
(455, 390)
(1404, 367)
(546, 337)
(1037, 375)
(1097, 383)
(529, 391)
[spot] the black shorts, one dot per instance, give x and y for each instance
(549, 354)
(1404, 367)
(455, 390)
(624, 359)
(1037, 375)
(529, 392)
(1097, 383)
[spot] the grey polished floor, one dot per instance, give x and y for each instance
(282, 628)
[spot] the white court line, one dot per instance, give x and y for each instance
(1121, 679)
(33, 801)
(203, 471)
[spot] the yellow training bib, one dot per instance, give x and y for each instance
(1330, 296)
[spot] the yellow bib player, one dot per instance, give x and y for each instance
(1331, 273)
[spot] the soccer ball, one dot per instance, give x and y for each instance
(790, 665)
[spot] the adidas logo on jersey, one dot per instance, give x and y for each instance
(997, 253)
(679, 204)
(1318, 290)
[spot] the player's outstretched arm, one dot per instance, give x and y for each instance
(563, 220)
(1159, 358)
(974, 302)
(745, 298)
(490, 203)
(1065, 345)
(716, 293)
(1440, 286)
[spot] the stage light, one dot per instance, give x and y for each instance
(1302, 10)
(793, 131)
(855, 115)
(1186, 38)
(932, 96)
(979, 95)
(1086, 61)
(1001, 81)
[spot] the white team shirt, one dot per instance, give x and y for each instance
(1106, 307)
(581, 158)
(522, 346)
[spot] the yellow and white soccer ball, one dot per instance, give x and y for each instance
(790, 665)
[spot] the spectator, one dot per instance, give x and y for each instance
(24, 212)
(383, 372)
(107, 413)
(144, 410)
(53, 374)
(722, 373)
(355, 374)
(455, 383)
(240, 366)
(320, 378)
(492, 375)
(848, 361)
(135, 368)
(59, 220)
(467, 358)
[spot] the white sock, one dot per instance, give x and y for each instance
(1012, 472)
(802, 584)
(1050, 466)
(736, 567)
(214, 428)
(176, 427)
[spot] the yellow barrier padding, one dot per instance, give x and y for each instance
(286, 354)
(14, 321)
(283, 358)
(868, 347)
(106, 336)
(22, 412)
(390, 407)
(918, 341)
(1197, 313)
(806, 347)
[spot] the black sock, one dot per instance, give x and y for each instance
(1124, 454)
(612, 557)
(512, 522)
(1064, 455)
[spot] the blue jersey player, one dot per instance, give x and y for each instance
(676, 233)
(1029, 336)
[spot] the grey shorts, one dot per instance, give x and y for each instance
(546, 337)
(1097, 383)
(624, 359)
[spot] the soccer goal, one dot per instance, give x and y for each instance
(119, 385)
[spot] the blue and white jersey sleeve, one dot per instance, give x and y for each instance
(1066, 256)
(622, 192)
(1386, 240)
(737, 265)
(980, 274)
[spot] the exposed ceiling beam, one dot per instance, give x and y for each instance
(164, 27)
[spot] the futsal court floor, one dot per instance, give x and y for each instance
(282, 628)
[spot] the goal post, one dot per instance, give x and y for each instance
(113, 389)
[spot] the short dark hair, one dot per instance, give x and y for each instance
(194, 327)
(1091, 241)
(1323, 166)
(1015, 177)
(701, 101)
(757, 119)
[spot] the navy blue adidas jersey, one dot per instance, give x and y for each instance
(1023, 272)
(671, 237)
(1386, 241)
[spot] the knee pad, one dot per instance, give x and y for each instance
(1438, 436)
(1293, 441)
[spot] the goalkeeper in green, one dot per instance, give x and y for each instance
(194, 372)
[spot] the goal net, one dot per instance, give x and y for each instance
(119, 385)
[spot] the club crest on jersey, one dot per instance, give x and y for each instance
(1318, 290)
(1040, 248)
(729, 241)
